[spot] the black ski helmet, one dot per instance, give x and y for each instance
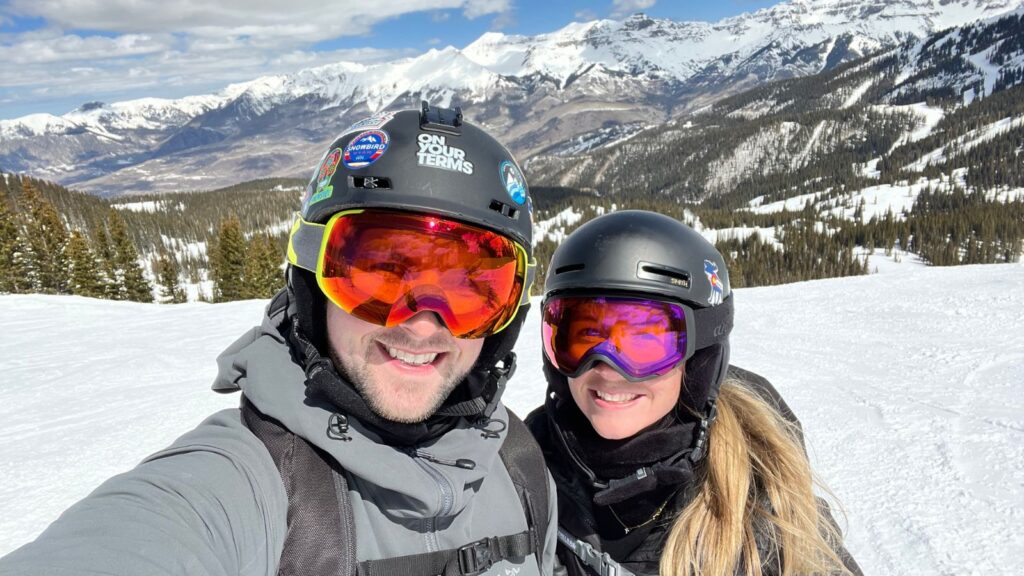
(428, 160)
(635, 252)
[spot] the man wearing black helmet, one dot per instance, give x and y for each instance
(371, 438)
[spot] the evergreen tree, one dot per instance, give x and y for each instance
(167, 272)
(112, 284)
(132, 279)
(263, 276)
(12, 275)
(84, 272)
(228, 262)
(47, 239)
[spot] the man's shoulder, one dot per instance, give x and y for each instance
(223, 433)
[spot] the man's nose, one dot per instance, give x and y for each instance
(424, 324)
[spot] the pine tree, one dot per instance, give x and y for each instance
(84, 272)
(133, 281)
(112, 284)
(228, 262)
(47, 239)
(171, 291)
(12, 274)
(262, 274)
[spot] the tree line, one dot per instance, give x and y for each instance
(92, 253)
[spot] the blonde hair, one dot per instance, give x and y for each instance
(758, 480)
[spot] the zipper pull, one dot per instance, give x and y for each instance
(464, 463)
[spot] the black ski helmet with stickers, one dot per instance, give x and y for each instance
(635, 252)
(428, 160)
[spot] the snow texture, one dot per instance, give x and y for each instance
(911, 405)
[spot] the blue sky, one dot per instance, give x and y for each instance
(58, 54)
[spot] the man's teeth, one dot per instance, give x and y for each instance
(609, 397)
(415, 359)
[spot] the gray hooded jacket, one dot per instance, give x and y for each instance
(213, 503)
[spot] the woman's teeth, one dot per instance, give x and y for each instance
(414, 359)
(609, 397)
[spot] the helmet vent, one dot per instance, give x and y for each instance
(666, 274)
(570, 268)
(504, 209)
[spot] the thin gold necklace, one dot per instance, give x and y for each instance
(657, 514)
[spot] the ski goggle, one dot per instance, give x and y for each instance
(639, 337)
(385, 266)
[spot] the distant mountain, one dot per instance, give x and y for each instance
(922, 104)
(599, 79)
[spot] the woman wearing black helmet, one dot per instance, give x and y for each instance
(667, 460)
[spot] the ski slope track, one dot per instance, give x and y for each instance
(908, 384)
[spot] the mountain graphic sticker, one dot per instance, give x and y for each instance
(513, 180)
(366, 148)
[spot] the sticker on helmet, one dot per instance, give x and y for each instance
(435, 152)
(365, 149)
(323, 177)
(513, 181)
(717, 288)
(374, 122)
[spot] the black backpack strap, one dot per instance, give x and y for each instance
(525, 463)
(469, 560)
(319, 512)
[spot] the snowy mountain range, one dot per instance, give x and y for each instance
(535, 92)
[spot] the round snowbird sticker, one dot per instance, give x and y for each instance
(366, 148)
(513, 180)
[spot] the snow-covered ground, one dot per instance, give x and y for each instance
(908, 384)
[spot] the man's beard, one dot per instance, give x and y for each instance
(375, 396)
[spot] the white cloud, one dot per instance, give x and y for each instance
(585, 15)
(622, 8)
(478, 8)
(48, 46)
(311, 20)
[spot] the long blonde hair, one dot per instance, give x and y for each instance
(758, 479)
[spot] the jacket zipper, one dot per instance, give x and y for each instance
(447, 499)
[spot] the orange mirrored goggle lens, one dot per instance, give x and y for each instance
(384, 267)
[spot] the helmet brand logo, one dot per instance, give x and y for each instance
(435, 152)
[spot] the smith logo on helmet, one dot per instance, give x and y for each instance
(436, 153)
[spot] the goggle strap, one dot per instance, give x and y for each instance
(305, 243)
(714, 324)
(531, 276)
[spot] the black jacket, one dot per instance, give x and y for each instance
(639, 550)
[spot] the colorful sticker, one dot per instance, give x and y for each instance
(323, 176)
(435, 152)
(365, 149)
(513, 180)
(717, 288)
(375, 122)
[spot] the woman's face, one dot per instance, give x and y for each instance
(618, 408)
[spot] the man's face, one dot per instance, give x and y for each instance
(404, 372)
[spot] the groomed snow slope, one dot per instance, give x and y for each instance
(908, 384)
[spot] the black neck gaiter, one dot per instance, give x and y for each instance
(658, 452)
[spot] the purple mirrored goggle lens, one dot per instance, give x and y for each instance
(640, 338)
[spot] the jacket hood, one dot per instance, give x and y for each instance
(262, 366)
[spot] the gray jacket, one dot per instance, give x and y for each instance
(213, 503)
